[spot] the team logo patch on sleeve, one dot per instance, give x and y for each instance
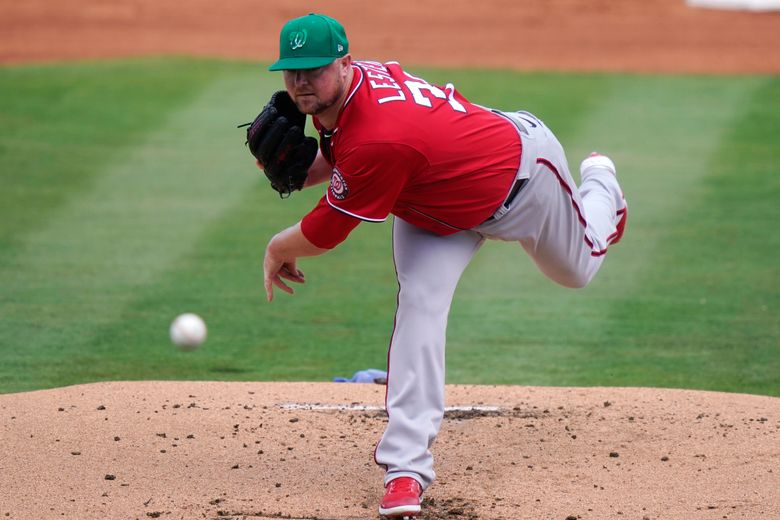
(338, 186)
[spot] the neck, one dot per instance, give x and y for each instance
(330, 115)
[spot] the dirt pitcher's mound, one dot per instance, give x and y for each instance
(296, 450)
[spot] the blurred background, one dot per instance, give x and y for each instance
(571, 35)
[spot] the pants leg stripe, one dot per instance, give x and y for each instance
(580, 217)
(389, 347)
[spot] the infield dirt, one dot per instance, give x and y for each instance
(301, 450)
(239, 450)
(581, 35)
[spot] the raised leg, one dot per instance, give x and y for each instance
(565, 229)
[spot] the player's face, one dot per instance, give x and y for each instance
(315, 91)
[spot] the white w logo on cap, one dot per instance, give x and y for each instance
(297, 39)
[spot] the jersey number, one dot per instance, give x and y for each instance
(419, 88)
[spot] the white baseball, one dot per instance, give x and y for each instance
(188, 331)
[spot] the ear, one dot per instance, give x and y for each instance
(345, 63)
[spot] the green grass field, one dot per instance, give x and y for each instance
(128, 197)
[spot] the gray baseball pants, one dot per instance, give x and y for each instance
(562, 227)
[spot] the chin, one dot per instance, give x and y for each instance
(307, 106)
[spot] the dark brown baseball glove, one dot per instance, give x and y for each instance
(276, 139)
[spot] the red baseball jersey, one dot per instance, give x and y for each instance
(421, 152)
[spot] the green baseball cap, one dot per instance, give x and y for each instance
(309, 42)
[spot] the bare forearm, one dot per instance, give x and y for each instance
(291, 243)
(281, 255)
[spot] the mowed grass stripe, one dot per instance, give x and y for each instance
(568, 337)
(338, 322)
(679, 137)
(60, 125)
(110, 241)
(716, 279)
(509, 324)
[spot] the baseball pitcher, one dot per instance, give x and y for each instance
(453, 174)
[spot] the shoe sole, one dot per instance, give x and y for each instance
(599, 161)
(400, 512)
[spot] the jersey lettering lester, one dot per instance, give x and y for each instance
(421, 152)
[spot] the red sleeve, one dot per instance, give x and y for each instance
(325, 227)
(364, 186)
(369, 177)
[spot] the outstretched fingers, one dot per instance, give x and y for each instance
(275, 276)
(291, 273)
(277, 281)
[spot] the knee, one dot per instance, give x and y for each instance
(576, 279)
(575, 282)
(571, 278)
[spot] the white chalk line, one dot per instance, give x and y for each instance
(373, 408)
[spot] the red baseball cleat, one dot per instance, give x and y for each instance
(402, 498)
